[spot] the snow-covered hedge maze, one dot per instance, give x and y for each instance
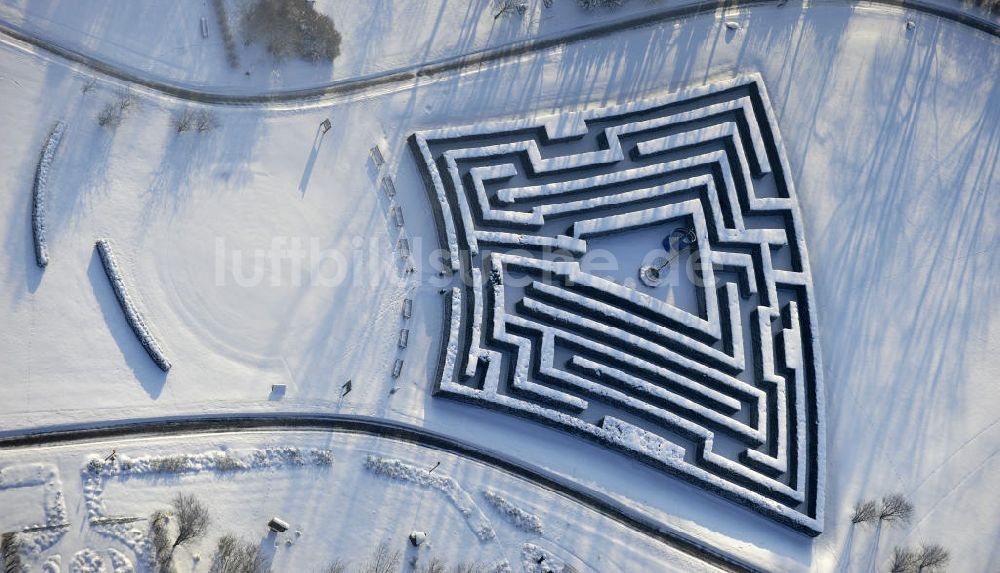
(726, 391)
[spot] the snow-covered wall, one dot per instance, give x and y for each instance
(40, 190)
(135, 320)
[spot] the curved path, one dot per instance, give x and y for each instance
(384, 429)
(470, 60)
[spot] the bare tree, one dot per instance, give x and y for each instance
(205, 121)
(383, 560)
(233, 555)
(192, 519)
(337, 566)
(932, 557)
(469, 567)
(114, 113)
(435, 565)
(510, 7)
(865, 511)
(200, 121)
(10, 553)
(162, 546)
(895, 508)
(903, 560)
(183, 121)
(109, 116)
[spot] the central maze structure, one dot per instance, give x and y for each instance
(715, 376)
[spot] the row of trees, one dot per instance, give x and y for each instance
(114, 113)
(925, 558)
(895, 509)
(187, 522)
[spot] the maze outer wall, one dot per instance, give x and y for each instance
(723, 389)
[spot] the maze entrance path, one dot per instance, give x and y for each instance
(721, 387)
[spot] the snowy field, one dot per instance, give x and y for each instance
(264, 252)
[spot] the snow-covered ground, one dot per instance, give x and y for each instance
(893, 136)
(163, 40)
(368, 491)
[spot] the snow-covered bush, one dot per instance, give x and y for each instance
(592, 4)
(400, 471)
(291, 28)
(469, 567)
(95, 465)
(227, 463)
(171, 464)
(519, 517)
(322, 457)
(132, 316)
(39, 193)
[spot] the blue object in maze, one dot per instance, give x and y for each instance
(679, 239)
